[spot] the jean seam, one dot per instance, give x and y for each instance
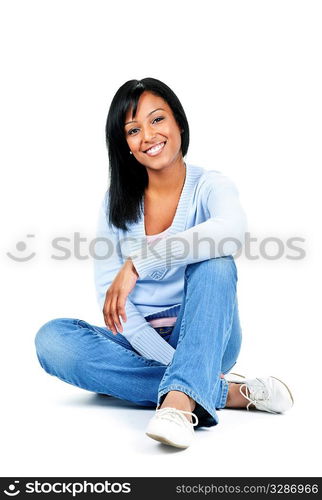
(224, 394)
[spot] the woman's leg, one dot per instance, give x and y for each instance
(92, 358)
(207, 337)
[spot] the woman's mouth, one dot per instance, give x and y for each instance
(155, 150)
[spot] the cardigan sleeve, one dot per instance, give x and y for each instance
(107, 263)
(223, 233)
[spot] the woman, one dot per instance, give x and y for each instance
(165, 279)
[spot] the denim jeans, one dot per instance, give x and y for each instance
(206, 337)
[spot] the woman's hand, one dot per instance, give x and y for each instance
(116, 295)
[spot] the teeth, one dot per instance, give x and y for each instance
(155, 149)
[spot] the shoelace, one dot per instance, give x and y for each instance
(172, 414)
(258, 395)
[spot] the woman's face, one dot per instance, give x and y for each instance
(153, 135)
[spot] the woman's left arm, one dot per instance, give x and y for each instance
(222, 234)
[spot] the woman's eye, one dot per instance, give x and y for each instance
(158, 119)
(133, 130)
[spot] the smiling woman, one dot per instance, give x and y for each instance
(147, 135)
(154, 140)
(168, 293)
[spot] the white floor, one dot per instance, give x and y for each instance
(50, 428)
(54, 429)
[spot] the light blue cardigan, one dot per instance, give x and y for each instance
(208, 211)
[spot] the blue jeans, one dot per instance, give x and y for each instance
(206, 337)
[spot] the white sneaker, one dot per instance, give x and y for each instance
(266, 394)
(170, 426)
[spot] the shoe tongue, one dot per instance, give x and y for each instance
(176, 415)
(261, 394)
(181, 416)
(258, 391)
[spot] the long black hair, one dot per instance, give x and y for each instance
(128, 177)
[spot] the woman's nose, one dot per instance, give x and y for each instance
(148, 133)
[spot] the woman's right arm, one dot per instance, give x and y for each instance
(107, 263)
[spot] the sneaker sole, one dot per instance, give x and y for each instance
(163, 440)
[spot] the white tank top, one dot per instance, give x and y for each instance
(160, 322)
(152, 237)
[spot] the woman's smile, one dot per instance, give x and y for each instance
(156, 149)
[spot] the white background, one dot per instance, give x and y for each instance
(248, 74)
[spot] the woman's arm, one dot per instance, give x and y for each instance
(113, 278)
(222, 234)
(116, 296)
